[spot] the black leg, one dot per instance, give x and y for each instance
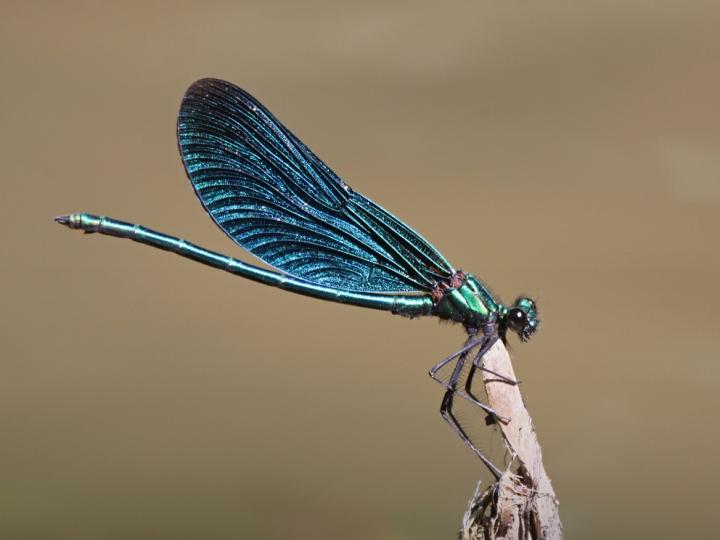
(492, 337)
(462, 353)
(478, 363)
(469, 395)
(490, 330)
(471, 343)
(447, 402)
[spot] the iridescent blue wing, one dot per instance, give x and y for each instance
(279, 201)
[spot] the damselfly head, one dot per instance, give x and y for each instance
(522, 318)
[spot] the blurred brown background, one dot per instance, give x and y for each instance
(565, 150)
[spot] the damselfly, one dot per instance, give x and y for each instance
(279, 201)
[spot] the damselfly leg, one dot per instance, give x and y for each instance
(462, 353)
(446, 407)
(478, 364)
(486, 341)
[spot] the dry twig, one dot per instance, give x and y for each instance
(522, 504)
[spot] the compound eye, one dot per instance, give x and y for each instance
(517, 318)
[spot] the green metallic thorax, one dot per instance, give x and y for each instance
(470, 304)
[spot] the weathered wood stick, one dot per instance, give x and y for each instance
(522, 504)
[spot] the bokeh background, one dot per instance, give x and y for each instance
(565, 150)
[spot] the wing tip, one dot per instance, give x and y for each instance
(200, 86)
(203, 82)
